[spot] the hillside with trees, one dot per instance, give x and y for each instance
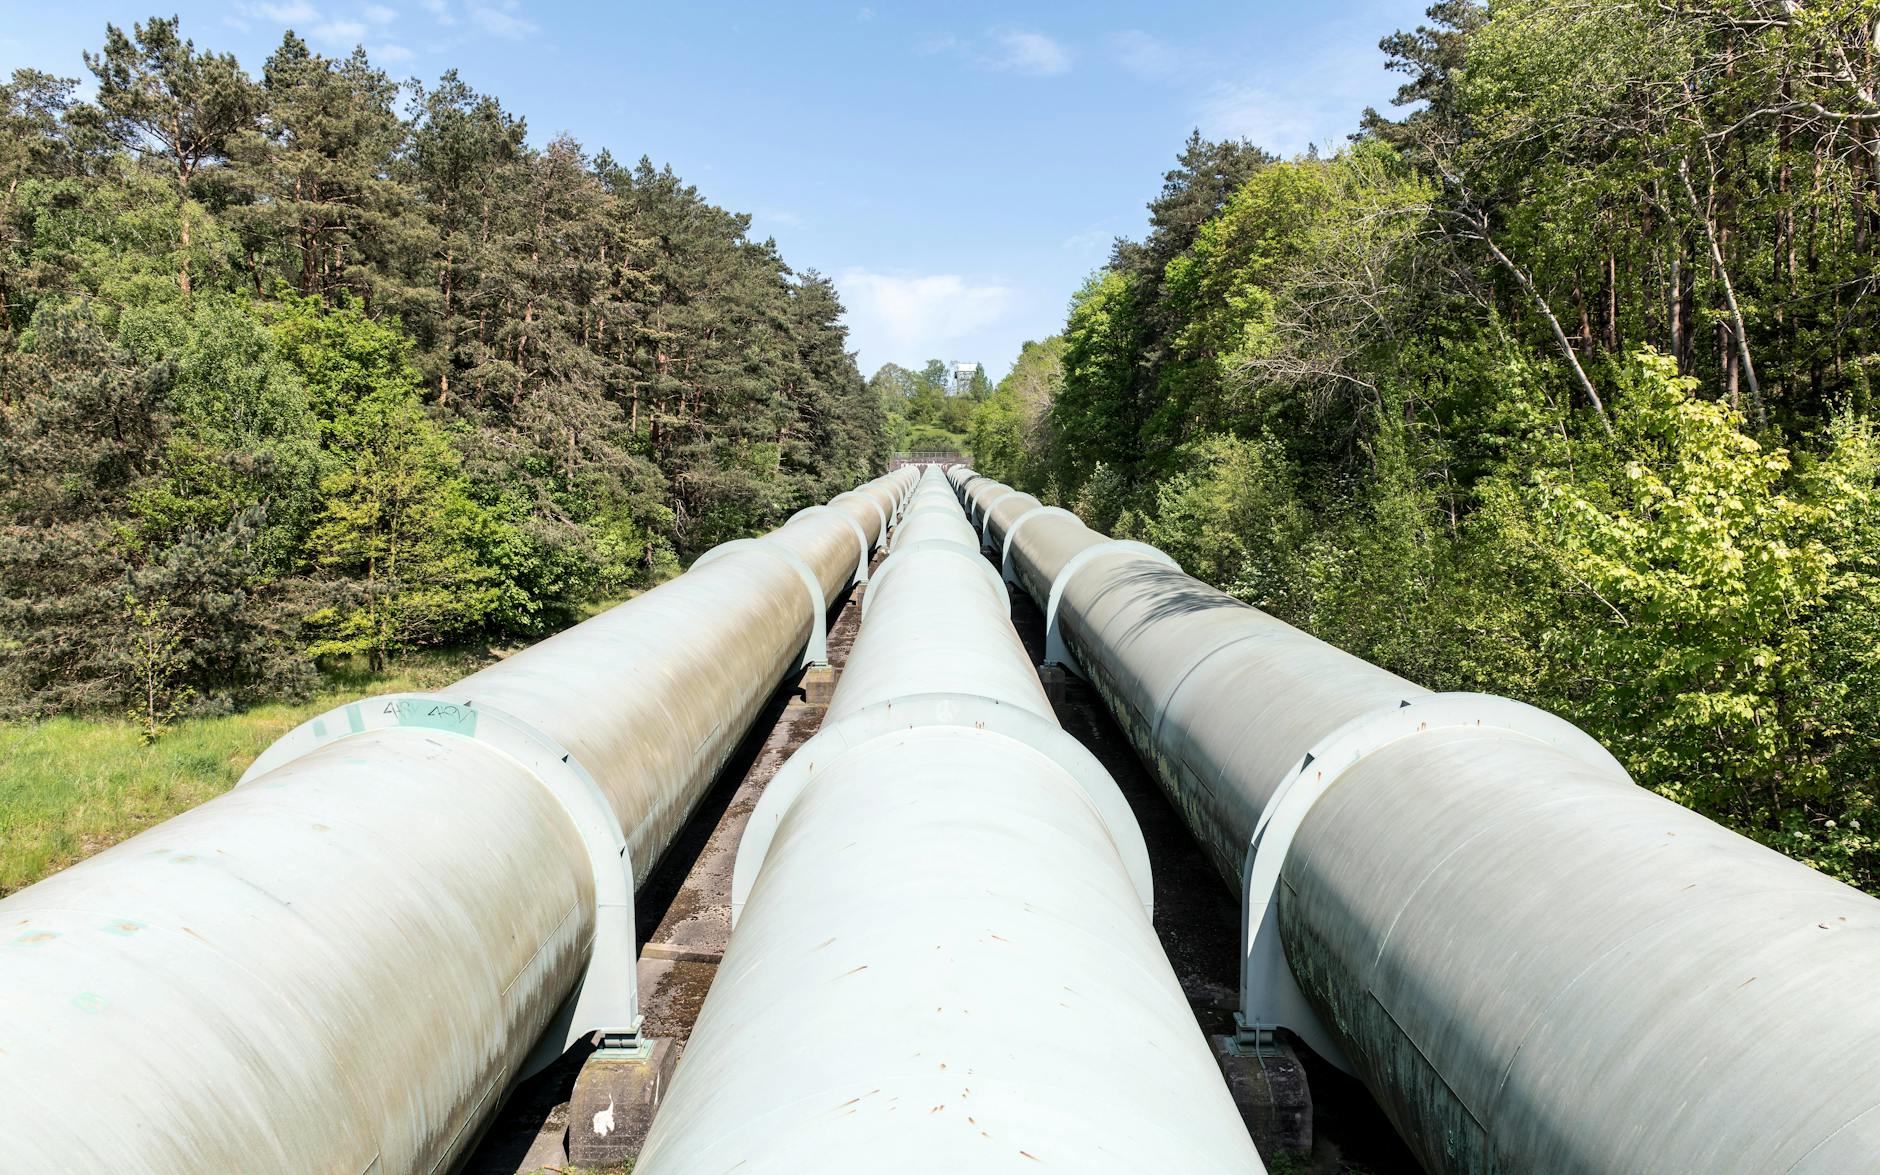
(923, 409)
(311, 364)
(1557, 385)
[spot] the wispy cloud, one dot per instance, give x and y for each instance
(504, 20)
(1288, 119)
(439, 9)
(898, 316)
(1094, 240)
(778, 216)
(388, 54)
(289, 12)
(1145, 55)
(1028, 52)
(1278, 122)
(1007, 50)
(340, 32)
(380, 14)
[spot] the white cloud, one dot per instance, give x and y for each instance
(440, 9)
(340, 32)
(1028, 52)
(1288, 118)
(1095, 241)
(1007, 50)
(778, 216)
(387, 54)
(1145, 56)
(501, 20)
(380, 14)
(290, 12)
(1284, 124)
(905, 317)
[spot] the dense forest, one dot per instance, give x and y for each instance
(318, 365)
(1556, 385)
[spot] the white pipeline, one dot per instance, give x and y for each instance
(343, 963)
(943, 959)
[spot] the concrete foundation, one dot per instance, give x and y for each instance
(614, 1102)
(1269, 1086)
(818, 684)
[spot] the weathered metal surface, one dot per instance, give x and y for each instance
(1533, 963)
(341, 964)
(943, 961)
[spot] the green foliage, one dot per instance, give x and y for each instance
(1699, 596)
(1010, 427)
(924, 410)
(421, 560)
(242, 434)
(294, 368)
(1552, 388)
(399, 524)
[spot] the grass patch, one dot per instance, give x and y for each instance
(70, 787)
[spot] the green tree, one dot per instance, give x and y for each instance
(416, 559)
(161, 96)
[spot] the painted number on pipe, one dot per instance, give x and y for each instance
(434, 715)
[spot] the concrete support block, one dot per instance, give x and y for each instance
(615, 1098)
(819, 684)
(1053, 677)
(1269, 1086)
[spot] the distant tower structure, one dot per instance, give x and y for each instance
(963, 374)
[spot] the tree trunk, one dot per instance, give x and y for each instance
(1711, 234)
(1560, 336)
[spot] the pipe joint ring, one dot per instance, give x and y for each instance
(1005, 555)
(1055, 649)
(861, 536)
(608, 997)
(917, 711)
(816, 650)
(881, 573)
(1269, 994)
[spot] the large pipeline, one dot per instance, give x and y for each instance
(1533, 963)
(942, 958)
(342, 964)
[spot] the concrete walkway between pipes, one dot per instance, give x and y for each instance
(685, 908)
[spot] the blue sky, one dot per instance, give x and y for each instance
(958, 169)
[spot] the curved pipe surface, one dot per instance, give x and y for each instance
(944, 945)
(341, 964)
(1533, 963)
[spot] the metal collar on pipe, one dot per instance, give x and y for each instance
(861, 536)
(881, 535)
(1269, 994)
(884, 719)
(915, 511)
(1005, 551)
(881, 573)
(1056, 651)
(984, 513)
(816, 649)
(608, 999)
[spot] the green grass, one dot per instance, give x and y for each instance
(70, 787)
